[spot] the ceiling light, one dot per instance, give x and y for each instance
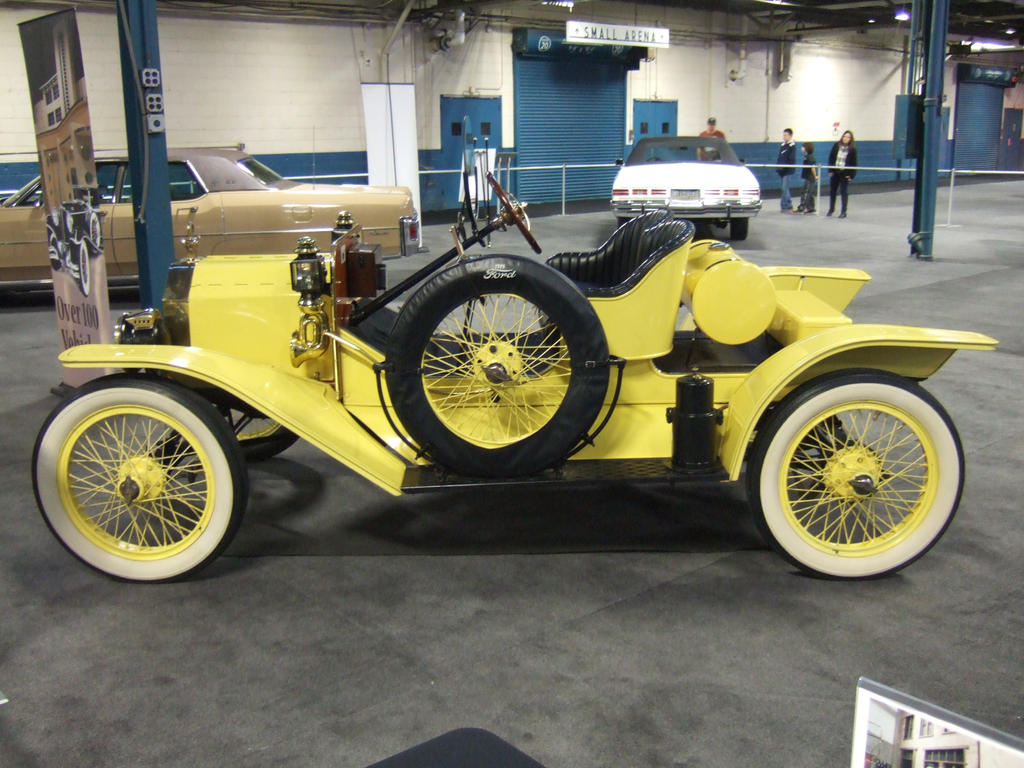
(1011, 31)
(902, 14)
(871, 21)
(992, 45)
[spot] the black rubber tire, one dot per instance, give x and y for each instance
(84, 269)
(880, 394)
(111, 551)
(267, 445)
(561, 303)
(738, 229)
(53, 252)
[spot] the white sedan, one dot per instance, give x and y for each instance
(694, 177)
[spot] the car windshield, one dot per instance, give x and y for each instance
(259, 171)
(30, 194)
(683, 149)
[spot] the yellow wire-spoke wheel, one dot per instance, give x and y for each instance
(259, 436)
(856, 480)
(135, 482)
(140, 478)
(496, 369)
(856, 474)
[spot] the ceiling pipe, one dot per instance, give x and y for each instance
(398, 28)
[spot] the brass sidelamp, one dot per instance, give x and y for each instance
(310, 280)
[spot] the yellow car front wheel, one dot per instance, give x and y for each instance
(139, 478)
(856, 474)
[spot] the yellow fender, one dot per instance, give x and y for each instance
(282, 396)
(912, 352)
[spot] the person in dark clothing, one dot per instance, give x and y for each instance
(842, 161)
(787, 156)
(809, 174)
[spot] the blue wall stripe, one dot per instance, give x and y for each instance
(301, 164)
(16, 175)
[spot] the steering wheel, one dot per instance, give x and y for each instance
(513, 209)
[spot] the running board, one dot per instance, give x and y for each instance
(420, 479)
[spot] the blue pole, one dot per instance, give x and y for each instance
(141, 80)
(922, 237)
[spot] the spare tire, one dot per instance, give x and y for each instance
(497, 366)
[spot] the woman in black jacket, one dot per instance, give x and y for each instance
(842, 162)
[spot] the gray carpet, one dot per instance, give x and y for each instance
(618, 627)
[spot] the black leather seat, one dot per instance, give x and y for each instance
(621, 263)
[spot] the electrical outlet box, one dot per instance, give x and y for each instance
(155, 123)
(150, 77)
(907, 126)
(154, 103)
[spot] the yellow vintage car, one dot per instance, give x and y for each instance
(503, 369)
(225, 201)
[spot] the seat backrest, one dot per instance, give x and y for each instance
(620, 263)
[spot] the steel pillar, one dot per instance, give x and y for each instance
(141, 81)
(926, 184)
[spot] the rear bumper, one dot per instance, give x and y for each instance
(724, 211)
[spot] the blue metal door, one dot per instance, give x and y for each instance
(979, 113)
(571, 111)
(441, 191)
(654, 118)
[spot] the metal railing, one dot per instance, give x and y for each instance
(507, 170)
(565, 168)
(952, 173)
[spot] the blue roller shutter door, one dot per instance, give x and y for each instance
(568, 111)
(979, 113)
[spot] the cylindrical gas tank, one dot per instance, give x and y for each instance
(732, 300)
(693, 424)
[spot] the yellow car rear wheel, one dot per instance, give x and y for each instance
(139, 478)
(856, 475)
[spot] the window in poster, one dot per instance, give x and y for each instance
(895, 730)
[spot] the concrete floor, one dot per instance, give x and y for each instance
(619, 627)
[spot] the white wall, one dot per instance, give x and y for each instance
(294, 87)
(853, 87)
(279, 87)
(480, 67)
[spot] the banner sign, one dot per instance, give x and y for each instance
(980, 73)
(547, 44)
(594, 33)
(56, 84)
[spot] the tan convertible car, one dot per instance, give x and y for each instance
(227, 200)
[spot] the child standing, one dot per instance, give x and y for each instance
(810, 176)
